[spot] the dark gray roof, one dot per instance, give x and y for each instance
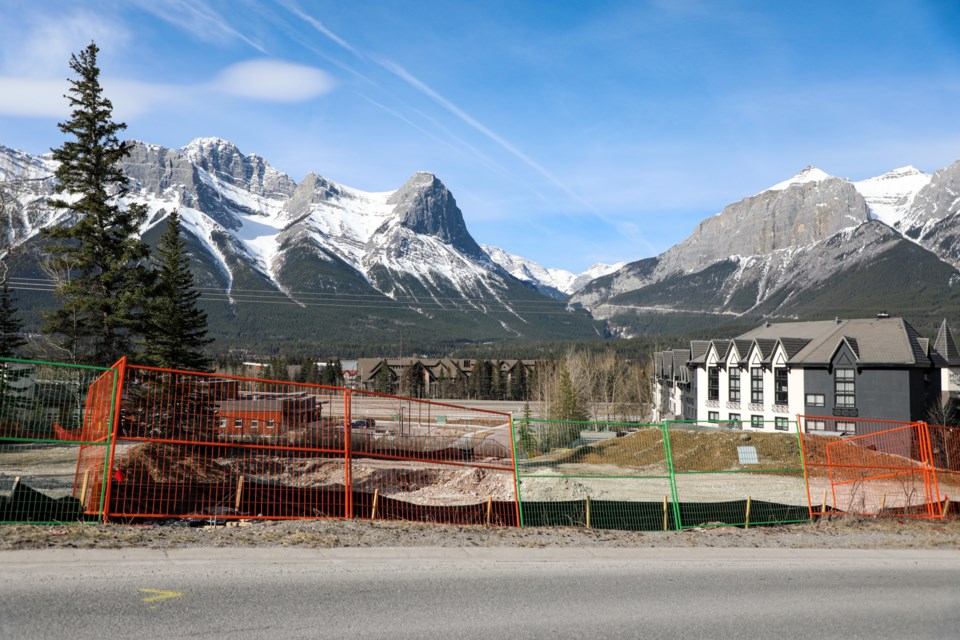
(874, 341)
(722, 347)
(854, 346)
(793, 346)
(698, 349)
(766, 347)
(945, 347)
(743, 348)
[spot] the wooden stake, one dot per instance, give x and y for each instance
(588, 512)
(823, 505)
(664, 513)
(376, 495)
(489, 509)
(16, 483)
(883, 503)
(83, 486)
(746, 525)
(239, 491)
(946, 506)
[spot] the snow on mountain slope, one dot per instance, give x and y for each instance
(809, 174)
(891, 195)
(254, 223)
(538, 275)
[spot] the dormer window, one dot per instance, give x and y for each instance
(713, 383)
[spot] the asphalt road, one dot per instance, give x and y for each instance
(480, 593)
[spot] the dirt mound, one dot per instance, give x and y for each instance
(164, 463)
(691, 450)
(418, 482)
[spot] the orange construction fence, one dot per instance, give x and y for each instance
(198, 445)
(887, 469)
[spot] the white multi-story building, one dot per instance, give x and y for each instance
(847, 370)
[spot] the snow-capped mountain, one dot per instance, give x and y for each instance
(890, 196)
(811, 246)
(262, 244)
(558, 283)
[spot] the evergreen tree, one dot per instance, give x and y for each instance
(383, 381)
(518, 383)
(526, 442)
(103, 280)
(11, 337)
(411, 383)
(176, 329)
(332, 374)
(569, 405)
(11, 340)
(312, 374)
(498, 381)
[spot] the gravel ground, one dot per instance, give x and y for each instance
(838, 533)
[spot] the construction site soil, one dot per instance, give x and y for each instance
(605, 470)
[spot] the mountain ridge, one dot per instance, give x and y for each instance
(404, 259)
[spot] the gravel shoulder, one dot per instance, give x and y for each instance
(839, 533)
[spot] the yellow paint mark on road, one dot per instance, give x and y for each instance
(160, 595)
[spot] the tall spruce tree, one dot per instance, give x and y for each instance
(177, 329)
(103, 278)
(11, 335)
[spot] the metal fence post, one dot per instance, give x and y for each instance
(347, 455)
(121, 368)
(668, 452)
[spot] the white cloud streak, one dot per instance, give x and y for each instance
(257, 80)
(273, 81)
(420, 86)
(42, 47)
(295, 9)
(197, 18)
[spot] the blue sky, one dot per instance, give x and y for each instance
(569, 132)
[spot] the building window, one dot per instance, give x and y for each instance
(713, 416)
(756, 422)
(734, 385)
(713, 383)
(254, 423)
(735, 420)
(756, 385)
(238, 423)
(781, 424)
(845, 388)
(816, 425)
(223, 423)
(847, 428)
(271, 423)
(780, 385)
(816, 400)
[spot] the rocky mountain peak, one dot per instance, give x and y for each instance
(224, 160)
(425, 206)
(891, 195)
(811, 207)
(808, 175)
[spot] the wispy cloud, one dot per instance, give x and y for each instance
(256, 80)
(420, 86)
(33, 97)
(295, 9)
(197, 18)
(41, 45)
